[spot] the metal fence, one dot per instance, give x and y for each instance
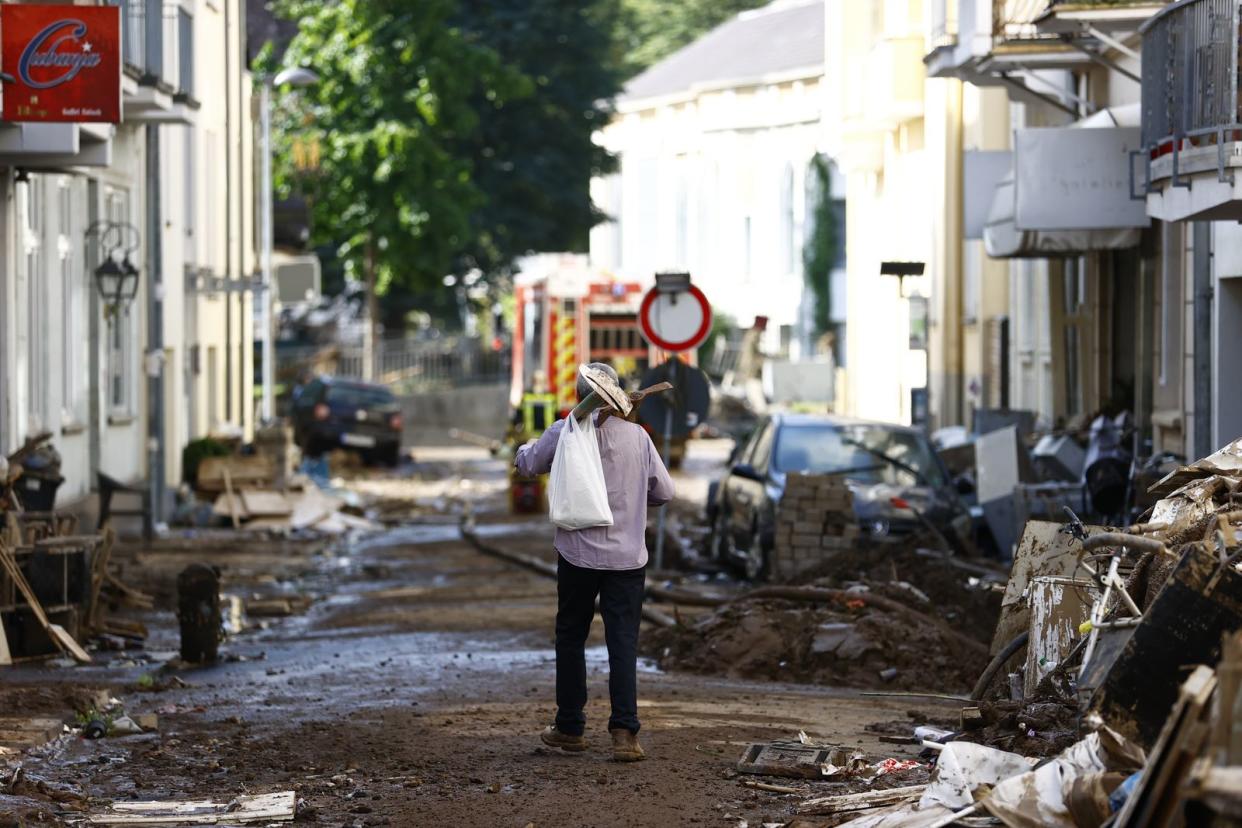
(407, 365)
(1190, 74)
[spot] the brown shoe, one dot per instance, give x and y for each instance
(625, 746)
(554, 738)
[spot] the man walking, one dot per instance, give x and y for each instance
(608, 562)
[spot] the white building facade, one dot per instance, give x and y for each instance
(715, 145)
(121, 393)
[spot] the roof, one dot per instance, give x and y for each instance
(780, 37)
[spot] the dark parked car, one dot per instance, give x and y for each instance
(351, 414)
(898, 482)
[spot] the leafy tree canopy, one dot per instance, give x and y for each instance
(447, 134)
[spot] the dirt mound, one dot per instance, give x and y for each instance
(850, 643)
(956, 590)
(49, 700)
(787, 641)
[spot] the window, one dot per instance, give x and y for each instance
(787, 220)
(1073, 393)
(75, 380)
(36, 306)
(682, 239)
(1075, 286)
(122, 350)
(747, 246)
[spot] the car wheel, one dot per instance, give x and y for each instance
(755, 560)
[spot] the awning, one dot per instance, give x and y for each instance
(1003, 240)
(55, 146)
(1069, 191)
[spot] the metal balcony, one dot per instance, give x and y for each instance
(157, 44)
(1191, 118)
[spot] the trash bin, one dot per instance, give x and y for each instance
(40, 478)
(37, 490)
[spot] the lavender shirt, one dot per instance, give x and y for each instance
(636, 479)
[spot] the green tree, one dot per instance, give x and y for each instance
(534, 157)
(823, 245)
(654, 29)
(400, 89)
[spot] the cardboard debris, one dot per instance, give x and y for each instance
(244, 810)
(309, 508)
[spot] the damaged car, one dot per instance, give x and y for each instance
(898, 483)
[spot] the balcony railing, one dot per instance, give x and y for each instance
(1015, 20)
(1190, 79)
(942, 24)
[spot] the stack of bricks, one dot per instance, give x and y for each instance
(815, 520)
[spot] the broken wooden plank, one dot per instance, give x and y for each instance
(67, 643)
(274, 807)
(232, 496)
(6, 656)
(827, 805)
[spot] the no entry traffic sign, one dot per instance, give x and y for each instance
(676, 320)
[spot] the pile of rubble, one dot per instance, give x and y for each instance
(1112, 694)
(871, 617)
(264, 491)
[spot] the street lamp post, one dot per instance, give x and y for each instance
(286, 77)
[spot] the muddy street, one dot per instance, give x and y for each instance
(413, 688)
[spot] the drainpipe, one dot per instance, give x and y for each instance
(155, 327)
(1203, 338)
(228, 219)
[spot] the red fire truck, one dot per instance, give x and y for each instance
(567, 314)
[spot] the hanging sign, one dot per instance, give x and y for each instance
(61, 63)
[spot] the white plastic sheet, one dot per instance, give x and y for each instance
(1039, 798)
(577, 492)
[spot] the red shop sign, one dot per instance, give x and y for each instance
(63, 63)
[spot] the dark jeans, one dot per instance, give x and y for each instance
(620, 603)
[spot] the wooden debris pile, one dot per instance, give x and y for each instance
(1133, 635)
(252, 492)
(56, 588)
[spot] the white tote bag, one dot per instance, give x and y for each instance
(577, 494)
